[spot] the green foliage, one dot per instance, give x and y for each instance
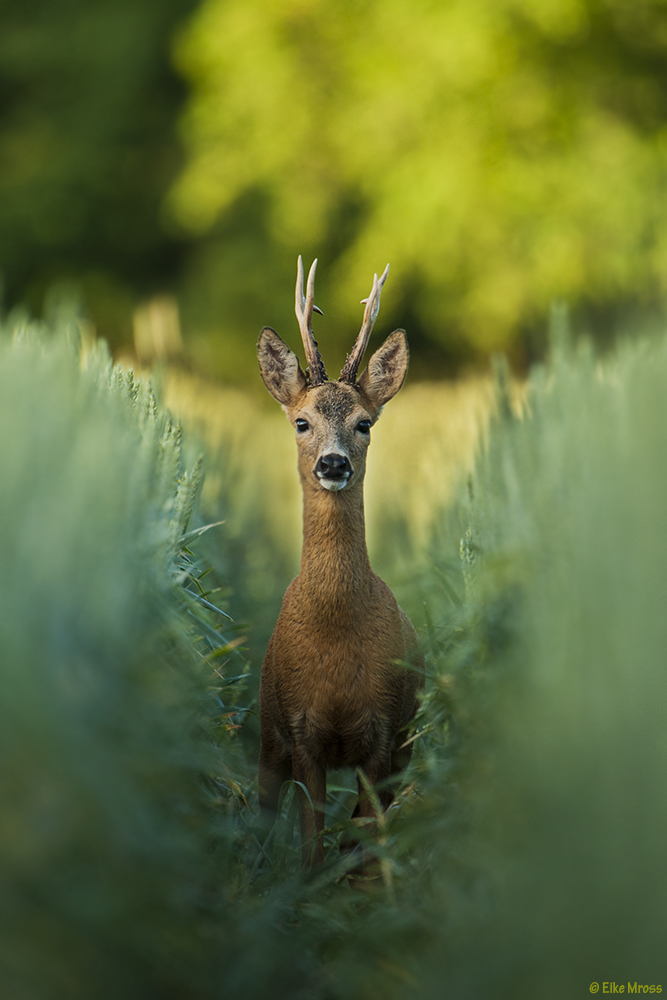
(558, 655)
(87, 150)
(107, 701)
(499, 154)
(525, 855)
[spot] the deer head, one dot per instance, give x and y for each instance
(332, 420)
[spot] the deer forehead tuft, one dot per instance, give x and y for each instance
(335, 401)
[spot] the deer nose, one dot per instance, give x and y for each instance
(333, 467)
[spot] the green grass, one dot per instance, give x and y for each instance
(526, 855)
(104, 829)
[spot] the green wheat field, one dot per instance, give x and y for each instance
(522, 526)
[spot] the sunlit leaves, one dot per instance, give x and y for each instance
(505, 152)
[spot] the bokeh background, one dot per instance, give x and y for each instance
(170, 160)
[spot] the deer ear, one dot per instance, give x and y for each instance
(279, 368)
(386, 369)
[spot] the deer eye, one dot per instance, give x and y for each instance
(302, 425)
(364, 426)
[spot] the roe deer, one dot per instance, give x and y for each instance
(331, 693)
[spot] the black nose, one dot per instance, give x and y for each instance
(333, 466)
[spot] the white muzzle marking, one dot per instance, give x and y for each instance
(334, 485)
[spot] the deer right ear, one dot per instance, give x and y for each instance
(386, 370)
(279, 368)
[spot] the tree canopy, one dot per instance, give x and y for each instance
(500, 154)
(88, 103)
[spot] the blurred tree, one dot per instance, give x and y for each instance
(499, 153)
(87, 150)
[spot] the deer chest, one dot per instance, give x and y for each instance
(342, 703)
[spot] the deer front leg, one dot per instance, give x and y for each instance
(378, 771)
(312, 777)
(400, 758)
(366, 814)
(275, 768)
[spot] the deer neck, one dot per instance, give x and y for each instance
(335, 569)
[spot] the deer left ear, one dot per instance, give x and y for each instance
(386, 370)
(279, 368)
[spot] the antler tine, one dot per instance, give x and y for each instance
(304, 307)
(349, 372)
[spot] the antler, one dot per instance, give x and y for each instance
(303, 307)
(349, 372)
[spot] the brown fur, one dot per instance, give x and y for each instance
(331, 695)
